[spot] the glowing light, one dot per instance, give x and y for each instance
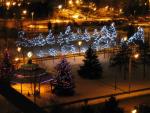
(8, 4)
(14, 3)
(106, 7)
(29, 54)
(24, 12)
(136, 55)
(77, 2)
(19, 4)
(70, 2)
(16, 59)
(80, 43)
(134, 111)
(76, 16)
(18, 49)
(125, 39)
(94, 9)
(59, 6)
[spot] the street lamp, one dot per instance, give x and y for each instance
(24, 12)
(19, 4)
(8, 4)
(70, 2)
(32, 17)
(18, 49)
(135, 56)
(60, 6)
(14, 3)
(79, 44)
(77, 2)
(125, 39)
(29, 54)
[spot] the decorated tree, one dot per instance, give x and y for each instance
(50, 39)
(7, 68)
(112, 34)
(64, 84)
(86, 36)
(92, 68)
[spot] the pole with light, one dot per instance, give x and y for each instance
(32, 16)
(79, 45)
(29, 55)
(132, 56)
(19, 50)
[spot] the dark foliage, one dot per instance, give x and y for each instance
(121, 60)
(92, 68)
(6, 68)
(111, 106)
(144, 56)
(143, 108)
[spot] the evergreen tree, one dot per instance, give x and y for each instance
(92, 68)
(64, 84)
(7, 68)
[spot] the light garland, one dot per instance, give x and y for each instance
(105, 38)
(138, 36)
(52, 52)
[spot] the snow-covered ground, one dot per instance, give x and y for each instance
(89, 88)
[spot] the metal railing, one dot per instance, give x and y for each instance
(85, 101)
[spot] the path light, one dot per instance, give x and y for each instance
(133, 56)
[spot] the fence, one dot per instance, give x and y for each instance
(86, 101)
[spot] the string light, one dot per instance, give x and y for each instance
(105, 38)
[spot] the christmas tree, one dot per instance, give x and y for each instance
(92, 67)
(7, 68)
(64, 84)
(50, 39)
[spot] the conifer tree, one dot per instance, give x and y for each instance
(92, 68)
(64, 81)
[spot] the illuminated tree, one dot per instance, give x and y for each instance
(64, 83)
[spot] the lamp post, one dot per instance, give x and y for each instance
(19, 50)
(30, 54)
(79, 44)
(135, 56)
(32, 17)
